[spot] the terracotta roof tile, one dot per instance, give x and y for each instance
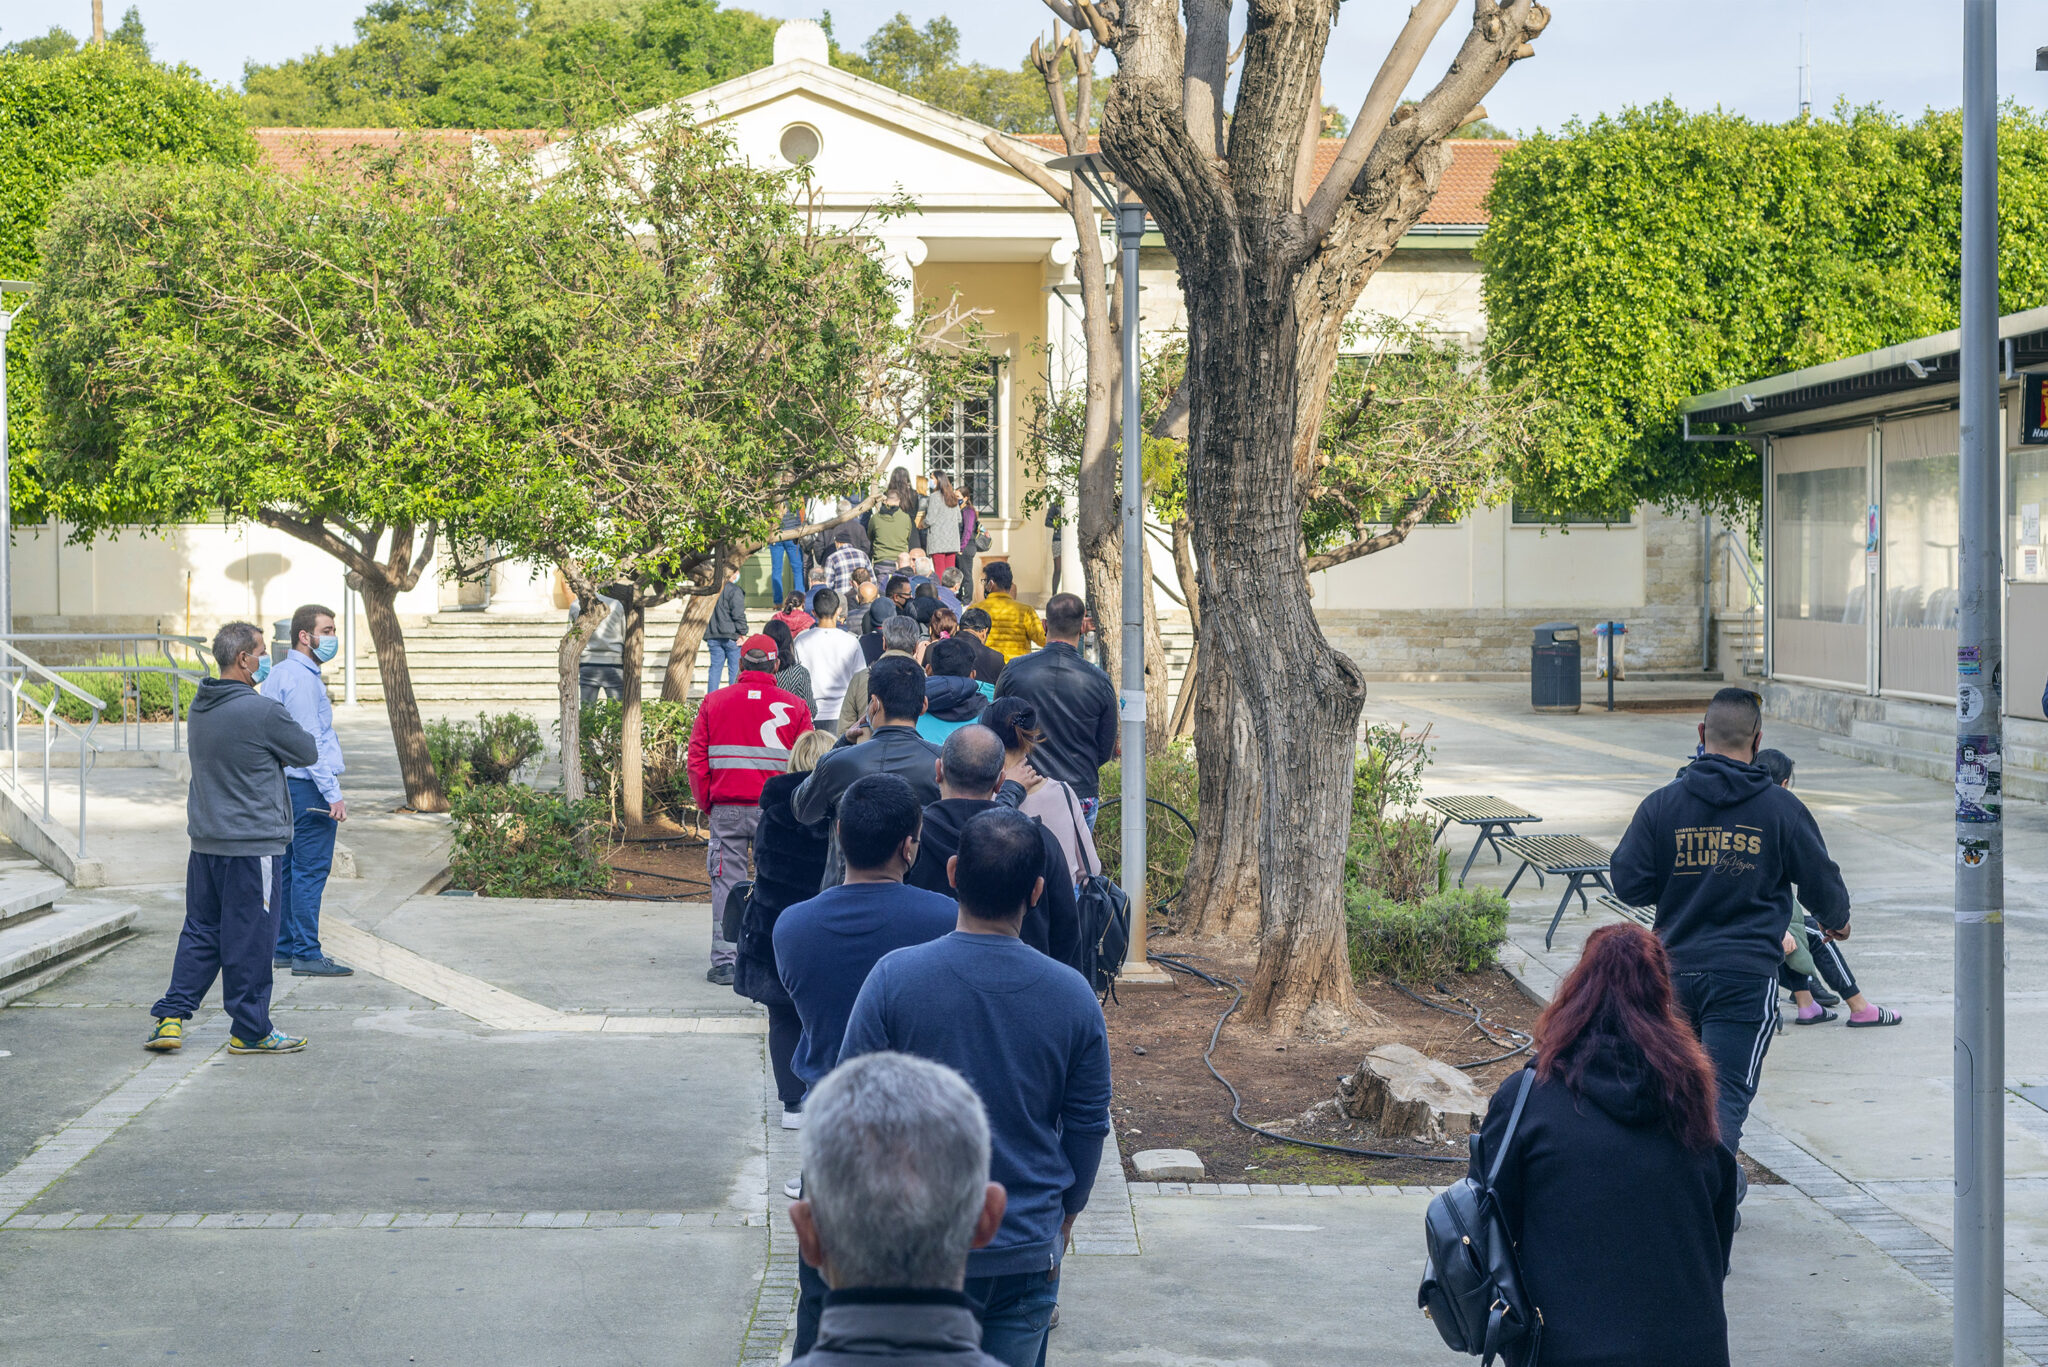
(296, 150)
(1461, 198)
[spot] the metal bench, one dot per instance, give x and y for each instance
(1494, 818)
(1645, 917)
(1578, 860)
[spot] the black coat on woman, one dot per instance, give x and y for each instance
(789, 864)
(1623, 1232)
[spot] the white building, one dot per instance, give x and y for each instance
(1456, 598)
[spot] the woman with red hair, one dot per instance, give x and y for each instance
(1617, 1191)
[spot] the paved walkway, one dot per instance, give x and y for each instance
(533, 1134)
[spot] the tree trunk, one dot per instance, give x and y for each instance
(681, 675)
(569, 685)
(1222, 896)
(422, 785)
(632, 776)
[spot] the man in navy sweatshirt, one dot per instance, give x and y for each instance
(1716, 851)
(825, 947)
(1028, 1034)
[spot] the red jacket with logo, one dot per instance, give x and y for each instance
(741, 739)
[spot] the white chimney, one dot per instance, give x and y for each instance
(802, 40)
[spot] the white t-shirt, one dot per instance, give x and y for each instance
(833, 657)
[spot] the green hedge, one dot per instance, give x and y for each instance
(152, 693)
(1460, 931)
(514, 841)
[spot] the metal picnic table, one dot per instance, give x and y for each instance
(1494, 818)
(1577, 859)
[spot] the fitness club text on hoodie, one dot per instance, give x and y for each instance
(1717, 851)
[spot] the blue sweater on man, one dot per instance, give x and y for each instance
(825, 947)
(1027, 1033)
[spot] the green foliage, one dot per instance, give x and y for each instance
(511, 841)
(1388, 771)
(925, 64)
(64, 115)
(1169, 778)
(151, 702)
(1460, 931)
(1642, 258)
(664, 749)
(58, 42)
(1390, 850)
(504, 64)
(488, 751)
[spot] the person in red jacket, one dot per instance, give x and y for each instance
(741, 738)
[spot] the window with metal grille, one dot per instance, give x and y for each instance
(962, 443)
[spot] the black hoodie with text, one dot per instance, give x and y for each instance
(1715, 851)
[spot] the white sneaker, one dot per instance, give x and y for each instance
(794, 1188)
(792, 1120)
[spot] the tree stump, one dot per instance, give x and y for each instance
(1403, 1092)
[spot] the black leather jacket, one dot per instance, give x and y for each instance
(1077, 712)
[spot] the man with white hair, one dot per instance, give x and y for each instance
(896, 1192)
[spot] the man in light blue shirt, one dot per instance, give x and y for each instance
(315, 791)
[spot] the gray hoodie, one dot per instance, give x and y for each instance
(241, 742)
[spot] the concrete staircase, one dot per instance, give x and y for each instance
(41, 940)
(1920, 738)
(509, 659)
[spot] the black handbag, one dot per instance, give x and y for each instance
(1472, 1289)
(733, 915)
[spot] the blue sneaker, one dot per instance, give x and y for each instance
(322, 967)
(276, 1042)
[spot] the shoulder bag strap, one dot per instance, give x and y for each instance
(1082, 844)
(1507, 1138)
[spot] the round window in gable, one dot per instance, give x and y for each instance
(800, 144)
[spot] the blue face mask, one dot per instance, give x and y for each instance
(262, 667)
(324, 648)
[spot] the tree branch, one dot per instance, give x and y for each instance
(1380, 101)
(1208, 71)
(1027, 167)
(1392, 536)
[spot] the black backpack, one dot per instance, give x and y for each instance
(1472, 1288)
(1105, 914)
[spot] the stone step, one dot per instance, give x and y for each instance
(27, 889)
(1906, 735)
(35, 951)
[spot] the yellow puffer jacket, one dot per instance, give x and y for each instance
(1014, 628)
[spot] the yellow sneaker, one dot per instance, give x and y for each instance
(168, 1035)
(276, 1042)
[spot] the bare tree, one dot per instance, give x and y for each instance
(1269, 277)
(1068, 66)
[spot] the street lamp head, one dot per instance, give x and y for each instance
(1098, 175)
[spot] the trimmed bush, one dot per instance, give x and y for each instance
(1460, 931)
(664, 752)
(1170, 778)
(513, 841)
(152, 693)
(487, 752)
(1398, 858)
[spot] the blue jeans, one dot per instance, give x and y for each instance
(1091, 807)
(231, 904)
(724, 655)
(777, 553)
(1016, 1311)
(306, 862)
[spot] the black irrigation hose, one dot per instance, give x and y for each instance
(1478, 1023)
(651, 873)
(1165, 907)
(1176, 963)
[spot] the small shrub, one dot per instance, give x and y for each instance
(664, 752)
(1460, 931)
(152, 693)
(490, 751)
(513, 841)
(1398, 858)
(1170, 778)
(1387, 776)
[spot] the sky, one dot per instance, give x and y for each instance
(1597, 56)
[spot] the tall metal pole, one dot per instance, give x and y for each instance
(1130, 231)
(1980, 835)
(7, 505)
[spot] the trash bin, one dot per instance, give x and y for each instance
(1554, 668)
(1610, 659)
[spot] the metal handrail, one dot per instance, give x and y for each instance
(121, 641)
(15, 669)
(1735, 555)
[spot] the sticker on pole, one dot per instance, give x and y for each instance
(1979, 779)
(1972, 852)
(1969, 703)
(1132, 702)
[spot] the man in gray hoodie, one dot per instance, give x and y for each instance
(240, 821)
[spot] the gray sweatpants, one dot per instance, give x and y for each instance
(732, 841)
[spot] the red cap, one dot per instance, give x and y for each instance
(760, 645)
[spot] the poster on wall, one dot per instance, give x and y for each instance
(2034, 408)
